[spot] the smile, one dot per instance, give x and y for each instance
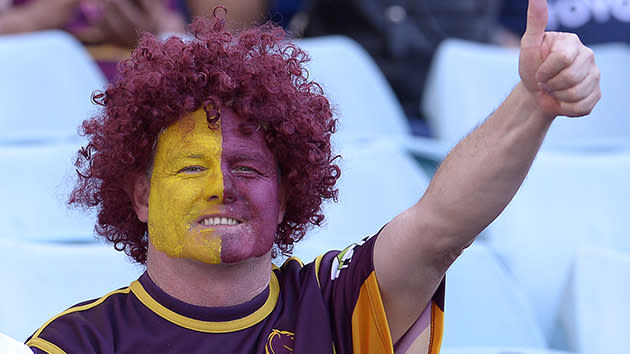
(217, 221)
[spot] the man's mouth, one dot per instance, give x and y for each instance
(218, 221)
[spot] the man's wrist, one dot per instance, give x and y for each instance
(529, 102)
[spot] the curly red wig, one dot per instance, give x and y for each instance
(258, 72)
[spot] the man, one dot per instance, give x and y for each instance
(209, 152)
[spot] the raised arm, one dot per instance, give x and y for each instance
(482, 173)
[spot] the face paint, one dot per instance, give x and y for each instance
(214, 193)
(186, 171)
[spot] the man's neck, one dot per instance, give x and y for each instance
(213, 285)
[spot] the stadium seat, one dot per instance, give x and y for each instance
(485, 306)
(468, 80)
(47, 80)
(596, 306)
(378, 181)
(42, 280)
(364, 100)
(35, 184)
(9, 345)
(568, 200)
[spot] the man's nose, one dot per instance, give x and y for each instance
(214, 189)
(229, 192)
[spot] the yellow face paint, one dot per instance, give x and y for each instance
(186, 184)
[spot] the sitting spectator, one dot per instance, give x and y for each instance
(109, 29)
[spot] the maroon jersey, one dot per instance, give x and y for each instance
(331, 305)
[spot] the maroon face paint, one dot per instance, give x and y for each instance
(252, 193)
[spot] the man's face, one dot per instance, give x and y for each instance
(214, 193)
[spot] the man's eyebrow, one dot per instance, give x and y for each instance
(191, 156)
(250, 156)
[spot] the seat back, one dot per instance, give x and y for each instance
(41, 280)
(47, 80)
(596, 310)
(364, 100)
(485, 306)
(34, 187)
(468, 81)
(378, 181)
(569, 199)
(9, 345)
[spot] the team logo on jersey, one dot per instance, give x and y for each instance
(343, 259)
(279, 342)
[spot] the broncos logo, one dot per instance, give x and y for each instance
(279, 342)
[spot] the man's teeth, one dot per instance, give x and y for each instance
(214, 221)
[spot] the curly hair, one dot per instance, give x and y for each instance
(258, 72)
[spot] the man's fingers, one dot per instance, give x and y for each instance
(564, 49)
(579, 91)
(537, 14)
(582, 107)
(572, 74)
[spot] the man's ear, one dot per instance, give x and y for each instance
(140, 197)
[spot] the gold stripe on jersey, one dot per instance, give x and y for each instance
(295, 259)
(370, 330)
(82, 308)
(437, 328)
(45, 346)
(208, 326)
(318, 263)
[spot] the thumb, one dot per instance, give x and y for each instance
(537, 14)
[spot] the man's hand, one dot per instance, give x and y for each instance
(121, 22)
(37, 16)
(557, 68)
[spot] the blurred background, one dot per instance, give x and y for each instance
(408, 79)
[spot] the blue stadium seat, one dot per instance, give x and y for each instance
(42, 280)
(34, 185)
(596, 309)
(365, 102)
(9, 345)
(569, 199)
(378, 181)
(47, 80)
(468, 80)
(485, 306)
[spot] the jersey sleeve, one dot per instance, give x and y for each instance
(349, 285)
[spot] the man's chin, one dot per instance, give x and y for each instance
(239, 255)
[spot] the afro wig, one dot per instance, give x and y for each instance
(258, 72)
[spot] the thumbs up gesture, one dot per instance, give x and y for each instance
(556, 68)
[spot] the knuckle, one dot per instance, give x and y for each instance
(574, 37)
(589, 52)
(584, 107)
(597, 74)
(563, 57)
(573, 94)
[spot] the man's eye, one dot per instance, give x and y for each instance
(192, 169)
(245, 169)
